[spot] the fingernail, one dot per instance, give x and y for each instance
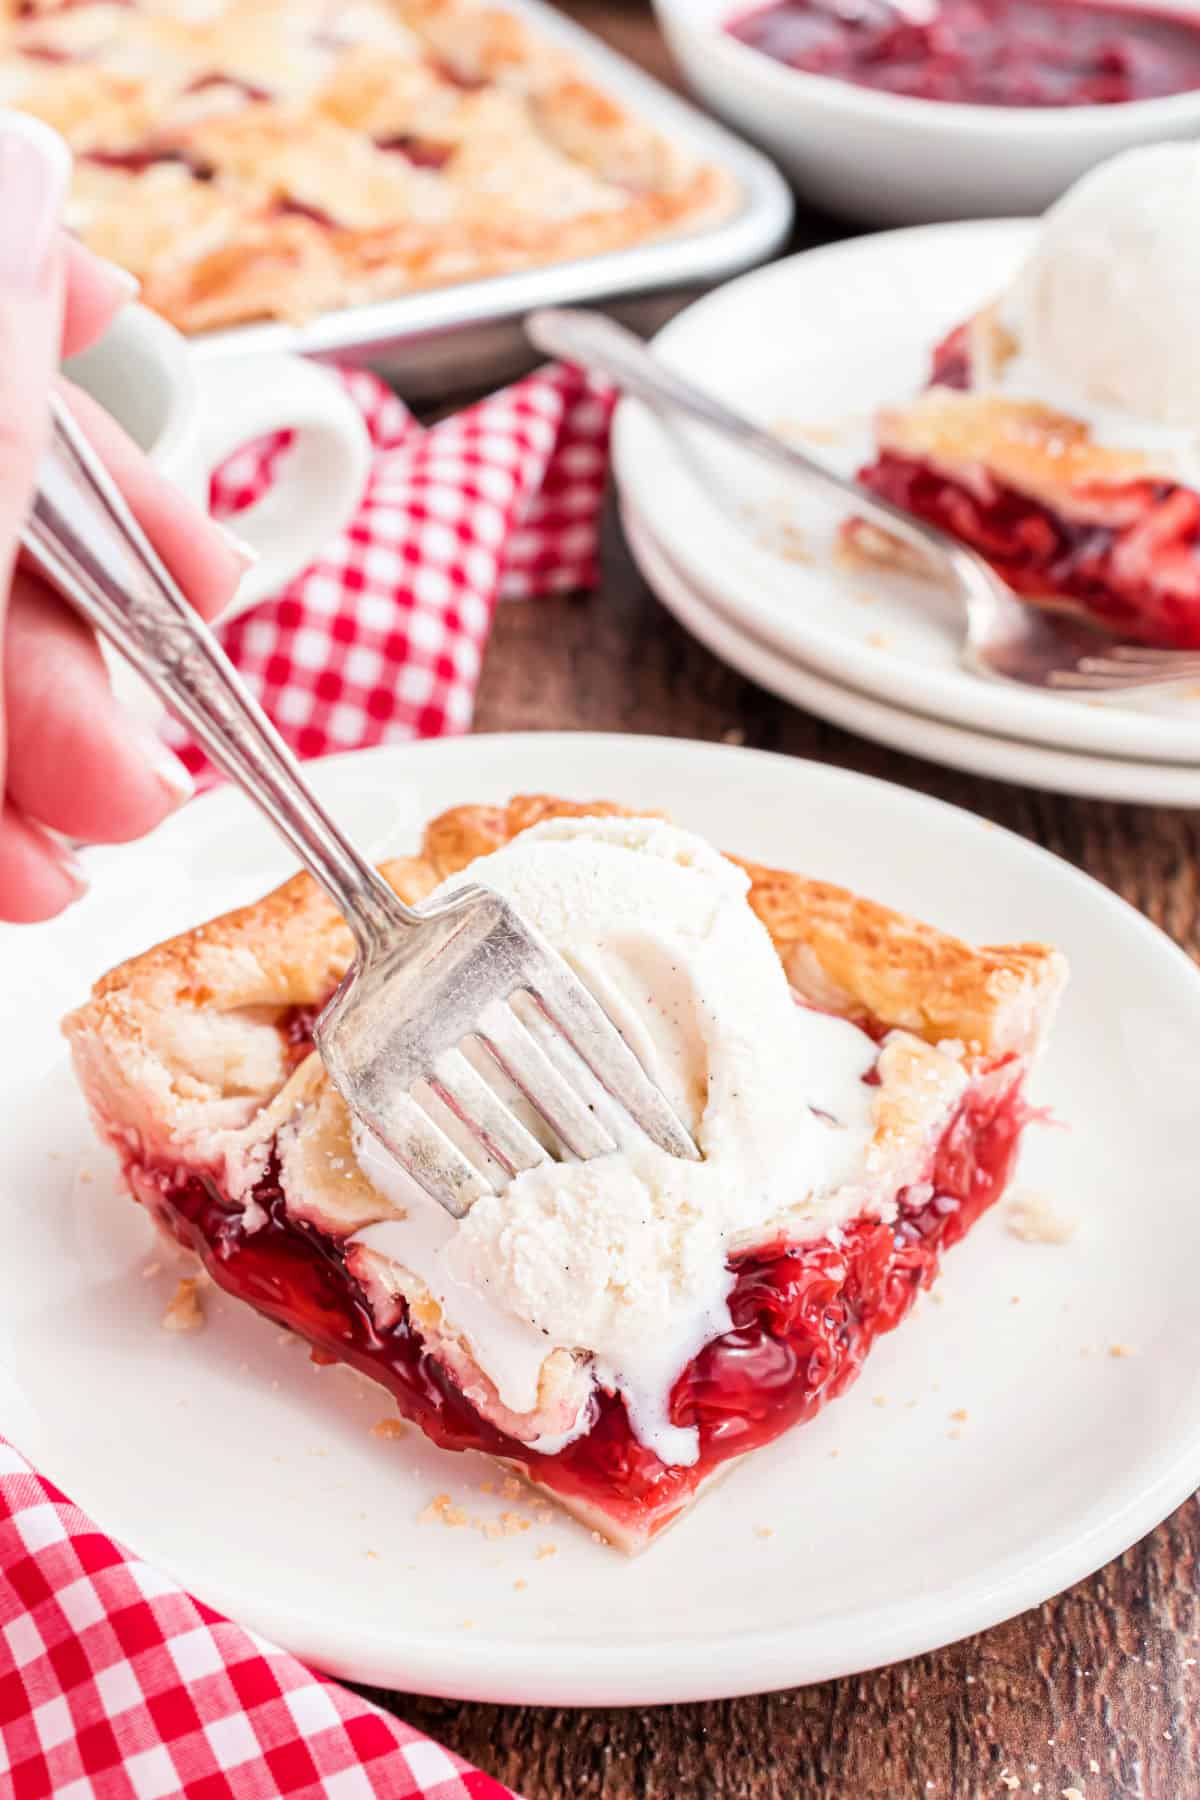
(165, 764)
(35, 168)
(246, 554)
(127, 285)
(64, 858)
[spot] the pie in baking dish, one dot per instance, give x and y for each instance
(277, 158)
(622, 1331)
(1106, 528)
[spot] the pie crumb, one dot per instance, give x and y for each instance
(733, 736)
(879, 640)
(764, 1531)
(1034, 1218)
(1072, 1793)
(879, 1400)
(955, 1431)
(1093, 1766)
(598, 1537)
(522, 1583)
(1011, 1782)
(511, 1488)
(546, 1550)
(1120, 1350)
(371, 1555)
(961, 1414)
(389, 1428)
(186, 1310)
(442, 1511)
(468, 1625)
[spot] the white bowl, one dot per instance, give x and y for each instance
(885, 159)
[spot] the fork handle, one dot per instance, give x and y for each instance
(597, 342)
(83, 538)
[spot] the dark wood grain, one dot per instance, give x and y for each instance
(1107, 1674)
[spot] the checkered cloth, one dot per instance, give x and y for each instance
(383, 637)
(116, 1685)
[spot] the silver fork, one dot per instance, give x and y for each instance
(425, 984)
(1006, 638)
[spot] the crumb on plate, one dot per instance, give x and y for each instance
(1034, 1218)
(389, 1428)
(185, 1312)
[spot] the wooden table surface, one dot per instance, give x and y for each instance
(1096, 1691)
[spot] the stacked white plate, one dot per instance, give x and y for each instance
(747, 559)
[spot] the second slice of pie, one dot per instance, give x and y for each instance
(1059, 434)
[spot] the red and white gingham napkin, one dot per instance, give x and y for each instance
(114, 1683)
(382, 638)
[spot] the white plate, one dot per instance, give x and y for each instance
(224, 1458)
(831, 335)
(1003, 759)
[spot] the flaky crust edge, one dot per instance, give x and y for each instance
(290, 948)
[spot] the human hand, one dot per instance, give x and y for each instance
(71, 759)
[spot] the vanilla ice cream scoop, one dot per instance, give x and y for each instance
(1108, 303)
(625, 1257)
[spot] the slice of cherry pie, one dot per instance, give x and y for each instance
(278, 158)
(1100, 528)
(620, 1332)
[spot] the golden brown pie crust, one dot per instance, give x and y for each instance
(1030, 447)
(252, 159)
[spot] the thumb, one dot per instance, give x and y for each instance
(35, 167)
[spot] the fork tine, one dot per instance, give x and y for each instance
(526, 1063)
(1083, 681)
(1150, 653)
(435, 1163)
(581, 1019)
(1182, 668)
(468, 1096)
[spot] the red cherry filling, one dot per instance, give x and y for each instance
(137, 161)
(423, 153)
(803, 1319)
(1140, 579)
(249, 90)
(986, 52)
